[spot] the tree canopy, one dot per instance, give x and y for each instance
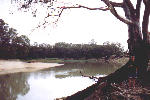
(12, 45)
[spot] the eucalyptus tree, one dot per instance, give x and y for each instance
(138, 34)
(7, 35)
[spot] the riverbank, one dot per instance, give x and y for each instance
(104, 91)
(122, 60)
(15, 66)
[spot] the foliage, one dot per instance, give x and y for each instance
(14, 46)
(76, 51)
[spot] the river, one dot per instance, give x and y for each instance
(51, 83)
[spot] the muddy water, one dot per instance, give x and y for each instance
(51, 83)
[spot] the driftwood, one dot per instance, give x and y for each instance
(91, 77)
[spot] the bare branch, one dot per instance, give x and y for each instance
(80, 6)
(114, 12)
(110, 7)
(65, 7)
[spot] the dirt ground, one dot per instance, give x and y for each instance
(14, 66)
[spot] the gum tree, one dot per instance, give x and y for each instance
(138, 34)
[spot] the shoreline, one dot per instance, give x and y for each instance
(70, 60)
(16, 66)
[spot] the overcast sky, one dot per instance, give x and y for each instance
(74, 26)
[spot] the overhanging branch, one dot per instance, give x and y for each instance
(110, 6)
(80, 6)
(71, 7)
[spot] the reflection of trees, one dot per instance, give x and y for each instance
(73, 69)
(92, 69)
(12, 85)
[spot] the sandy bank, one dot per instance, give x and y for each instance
(10, 66)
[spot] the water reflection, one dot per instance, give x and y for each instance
(51, 83)
(91, 69)
(12, 85)
(50, 88)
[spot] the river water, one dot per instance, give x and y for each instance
(51, 83)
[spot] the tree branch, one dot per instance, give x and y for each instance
(116, 4)
(146, 21)
(138, 6)
(114, 12)
(80, 6)
(110, 7)
(130, 6)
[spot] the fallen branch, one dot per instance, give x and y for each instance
(91, 77)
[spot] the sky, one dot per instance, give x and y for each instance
(74, 25)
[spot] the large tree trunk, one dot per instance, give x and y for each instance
(138, 43)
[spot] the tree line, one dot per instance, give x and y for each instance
(13, 46)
